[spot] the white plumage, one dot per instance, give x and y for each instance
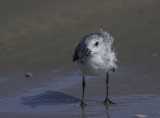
(95, 54)
(102, 57)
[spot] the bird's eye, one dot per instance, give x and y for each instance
(96, 44)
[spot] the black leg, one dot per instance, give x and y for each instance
(83, 89)
(107, 86)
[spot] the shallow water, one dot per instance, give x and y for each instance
(40, 37)
(52, 105)
(60, 97)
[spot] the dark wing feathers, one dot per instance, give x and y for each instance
(79, 47)
(75, 55)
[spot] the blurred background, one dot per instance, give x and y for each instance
(39, 37)
(42, 34)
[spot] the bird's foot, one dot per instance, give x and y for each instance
(83, 104)
(107, 100)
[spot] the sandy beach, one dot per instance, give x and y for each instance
(39, 37)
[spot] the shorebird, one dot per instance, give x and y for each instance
(96, 55)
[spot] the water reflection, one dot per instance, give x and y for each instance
(107, 113)
(85, 115)
(83, 112)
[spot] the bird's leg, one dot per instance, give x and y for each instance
(107, 86)
(83, 89)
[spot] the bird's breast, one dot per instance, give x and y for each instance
(94, 65)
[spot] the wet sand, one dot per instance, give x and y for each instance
(60, 97)
(133, 95)
(40, 37)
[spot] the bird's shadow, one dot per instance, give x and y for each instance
(49, 98)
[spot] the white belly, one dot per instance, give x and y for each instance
(94, 65)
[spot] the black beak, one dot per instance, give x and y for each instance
(87, 52)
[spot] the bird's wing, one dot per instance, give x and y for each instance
(78, 49)
(75, 55)
(113, 50)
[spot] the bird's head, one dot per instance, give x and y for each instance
(94, 44)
